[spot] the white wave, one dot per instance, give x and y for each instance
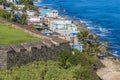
(85, 21)
(102, 35)
(115, 54)
(82, 21)
(103, 30)
(93, 28)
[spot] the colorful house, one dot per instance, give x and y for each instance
(49, 13)
(14, 1)
(35, 20)
(78, 46)
(67, 30)
(30, 12)
(64, 27)
(7, 9)
(18, 15)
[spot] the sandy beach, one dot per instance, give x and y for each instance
(111, 71)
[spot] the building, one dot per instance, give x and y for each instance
(30, 12)
(52, 14)
(49, 13)
(10, 1)
(13, 1)
(67, 30)
(34, 20)
(9, 10)
(1, 7)
(64, 27)
(18, 15)
(20, 6)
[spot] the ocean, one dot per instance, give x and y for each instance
(102, 17)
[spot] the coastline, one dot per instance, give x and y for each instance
(111, 66)
(111, 71)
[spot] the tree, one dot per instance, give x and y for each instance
(23, 19)
(83, 34)
(85, 73)
(74, 59)
(27, 2)
(12, 6)
(2, 1)
(63, 58)
(5, 14)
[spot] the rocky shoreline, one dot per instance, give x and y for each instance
(111, 71)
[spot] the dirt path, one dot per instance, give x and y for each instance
(111, 71)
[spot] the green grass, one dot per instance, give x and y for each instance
(9, 35)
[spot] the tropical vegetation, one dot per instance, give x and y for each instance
(89, 43)
(69, 66)
(75, 66)
(5, 14)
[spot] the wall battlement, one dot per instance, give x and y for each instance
(21, 54)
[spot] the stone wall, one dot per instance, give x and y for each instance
(21, 54)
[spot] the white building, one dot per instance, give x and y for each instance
(20, 6)
(30, 12)
(63, 25)
(16, 2)
(49, 13)
(11, 1)
(52, 14)
(34, 20)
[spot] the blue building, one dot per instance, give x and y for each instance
(78, 46)
(14, 1)
(18, 15)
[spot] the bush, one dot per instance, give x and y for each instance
(85, 73)
(63, 58)
(94, 62)
(79, 69)
(5, 14)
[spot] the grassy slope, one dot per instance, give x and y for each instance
(10, 35)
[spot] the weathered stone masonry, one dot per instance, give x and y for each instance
(18, 55)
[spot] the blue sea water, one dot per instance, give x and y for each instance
(101, 16)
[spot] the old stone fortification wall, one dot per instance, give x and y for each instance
(21, 54)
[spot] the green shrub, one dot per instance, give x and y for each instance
(5, 14)
(85, 73)
(63, 58)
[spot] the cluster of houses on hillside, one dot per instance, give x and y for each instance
(49, 22)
